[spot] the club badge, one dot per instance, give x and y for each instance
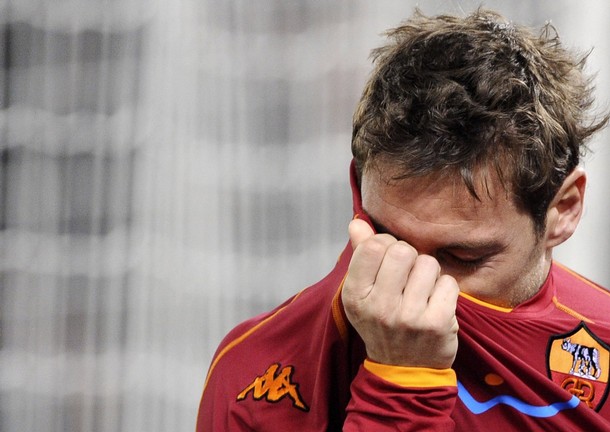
(579, 361)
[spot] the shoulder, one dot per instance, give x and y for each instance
(296, 316)
(285, 333)
(278, 357)
(581, 294)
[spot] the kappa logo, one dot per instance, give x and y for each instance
(580, 363)
(274, 386)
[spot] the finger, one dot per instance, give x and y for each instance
(393, 275)
(420, 285)
(359, 231)
(365, 264)
(443, 299)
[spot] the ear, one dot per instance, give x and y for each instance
(566, 209)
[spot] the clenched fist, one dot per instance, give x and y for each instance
(398, 302)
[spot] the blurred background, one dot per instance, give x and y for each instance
(168, 169)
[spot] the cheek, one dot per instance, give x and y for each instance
(507, 281)
(472, 281)
(491, 280)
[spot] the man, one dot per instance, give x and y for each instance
(445, 311)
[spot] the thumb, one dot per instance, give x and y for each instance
(359, 231)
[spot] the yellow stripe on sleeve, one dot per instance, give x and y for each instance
(413, 376)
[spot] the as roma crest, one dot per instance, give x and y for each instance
(579, 362)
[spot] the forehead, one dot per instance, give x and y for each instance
(439, 205)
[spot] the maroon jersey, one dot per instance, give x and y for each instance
(543, 365)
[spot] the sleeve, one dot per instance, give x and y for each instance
(391, 398)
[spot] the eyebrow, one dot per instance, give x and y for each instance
(483, 246)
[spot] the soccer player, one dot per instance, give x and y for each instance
(446, 310)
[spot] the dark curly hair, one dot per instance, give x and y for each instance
(453, 95)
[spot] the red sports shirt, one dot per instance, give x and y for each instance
(542, 366)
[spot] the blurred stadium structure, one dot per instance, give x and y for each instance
(168, 169)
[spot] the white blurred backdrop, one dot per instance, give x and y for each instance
(168, 169)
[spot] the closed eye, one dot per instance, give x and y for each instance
(470, 263)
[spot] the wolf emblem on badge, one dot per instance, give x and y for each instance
(585, 359)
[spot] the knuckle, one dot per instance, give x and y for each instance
(402, 251)
(348, 291)
(438, 327)
(354, 309)
(409, 317)
(352, 297)
(431, 323)
(440, 321)
(429, 263)
(448, 282)
(434, 330)
(383, 316)
(375, 246)
(452, 326)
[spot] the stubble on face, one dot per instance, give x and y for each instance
(432, 212)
